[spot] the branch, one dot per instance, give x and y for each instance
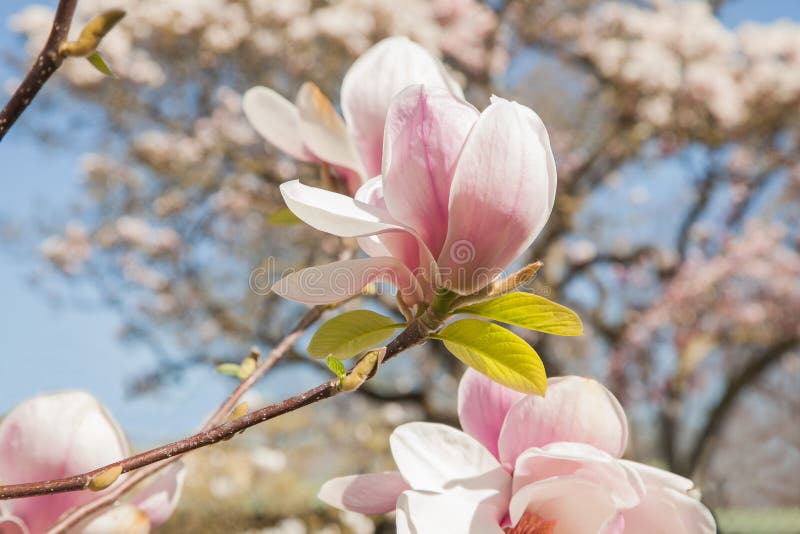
(751, 372)
(414, 334)
(46, 64)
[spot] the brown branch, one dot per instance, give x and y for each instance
(414, 334)
(46, 64)
(751, 372)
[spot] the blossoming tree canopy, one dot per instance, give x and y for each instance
(312, 131)
(53, 435)
(524, 465)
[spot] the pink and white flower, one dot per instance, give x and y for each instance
(61, 434)
(461, 196)
(311, 130)
(524, 464)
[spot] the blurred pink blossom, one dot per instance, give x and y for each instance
(60, 434)
(524, 464)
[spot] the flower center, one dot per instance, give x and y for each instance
(531, 523)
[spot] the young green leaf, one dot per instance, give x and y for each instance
(100, 64)
(336, 367)
(283, 217)
(497, 353)
(348, 334)
(529, 311)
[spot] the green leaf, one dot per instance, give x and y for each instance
(337, 367)
(529, 311)
(100, 64)
(497, 353)
(229, 369)
(283, 217)
(348, 334)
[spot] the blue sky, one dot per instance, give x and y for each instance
(45, 347)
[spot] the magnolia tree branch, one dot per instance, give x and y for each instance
(46, 63)
(415, 333)
(278, 352)
(716, 418)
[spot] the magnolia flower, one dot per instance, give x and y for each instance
(311, 130)
(461, 196)
(61, 434)
(524, 464)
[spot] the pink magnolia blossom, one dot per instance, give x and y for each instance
(461, 196)
(311, 130)
(524, 464)
(61, 434)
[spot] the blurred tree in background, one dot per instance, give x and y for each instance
(675, 233)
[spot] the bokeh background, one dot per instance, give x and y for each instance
(134, 212)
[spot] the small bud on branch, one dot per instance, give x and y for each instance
(92, 34)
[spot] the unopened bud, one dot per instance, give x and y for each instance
(249, 364)
(92, 33)
(365, 367)
(104, 479)
(501, 287)
(236, 413)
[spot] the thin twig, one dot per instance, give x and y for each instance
(46, 64)
(414, 334)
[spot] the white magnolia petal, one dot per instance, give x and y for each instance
(666, 511)
(424, 513)
(366, 494)
(334, 282)
(277, 120)
(324, 132)
(122, 519)
(335, 213)
(435, 457)
(659, 477)
(371, 192)
(160, 496)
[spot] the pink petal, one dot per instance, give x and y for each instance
(439, 458)
(666, 511)
(52, 436)
(334, 282)
(501, 196)
(423, 513)
(585, 461)
(574, 409)
(577, 505)
(482, 407)
(12, 525)
(365, 494)
(277, 120)
(671, 504)
(366, 95)
(325, 134)
(160, 495)
(654, 476)
(334, 213)
(425, 130)
(122, 519)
